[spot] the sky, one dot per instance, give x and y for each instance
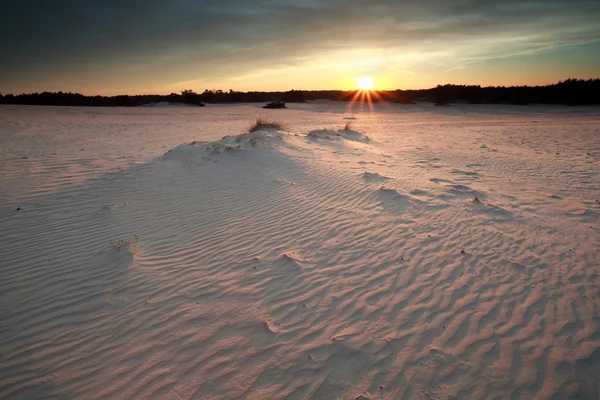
(113, 47)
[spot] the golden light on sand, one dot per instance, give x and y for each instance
(365, 83)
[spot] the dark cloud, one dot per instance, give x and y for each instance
(211, 38)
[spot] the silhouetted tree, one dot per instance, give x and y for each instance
(294, 96)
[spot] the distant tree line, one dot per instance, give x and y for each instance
(569, 92)
(186, 96)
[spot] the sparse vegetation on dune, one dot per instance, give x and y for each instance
(347, 126)
(124, 242)
(263, 123)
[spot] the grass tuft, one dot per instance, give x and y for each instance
(348, 126)
(263, 123)
(124, 242)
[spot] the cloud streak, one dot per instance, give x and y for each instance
(156, 43)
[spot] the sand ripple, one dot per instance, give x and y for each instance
(276, 271)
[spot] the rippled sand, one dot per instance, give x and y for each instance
(428, 252)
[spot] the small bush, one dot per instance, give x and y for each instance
(275, 104)
(348, 126)
(262, 123)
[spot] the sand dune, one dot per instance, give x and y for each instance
(401, 259)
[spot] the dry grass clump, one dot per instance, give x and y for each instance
(347, 126)
(124, 242)
(263, 123)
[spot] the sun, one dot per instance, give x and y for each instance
(365, 83)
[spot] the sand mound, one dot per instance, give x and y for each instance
(327, 134)
(263, 138)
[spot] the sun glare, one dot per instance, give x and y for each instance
(365, 95)
(364, 83)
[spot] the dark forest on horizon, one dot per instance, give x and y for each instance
(567, 92)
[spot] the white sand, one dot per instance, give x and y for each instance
(297, 266)
(169, 105)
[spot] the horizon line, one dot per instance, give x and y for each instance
(302, 90)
